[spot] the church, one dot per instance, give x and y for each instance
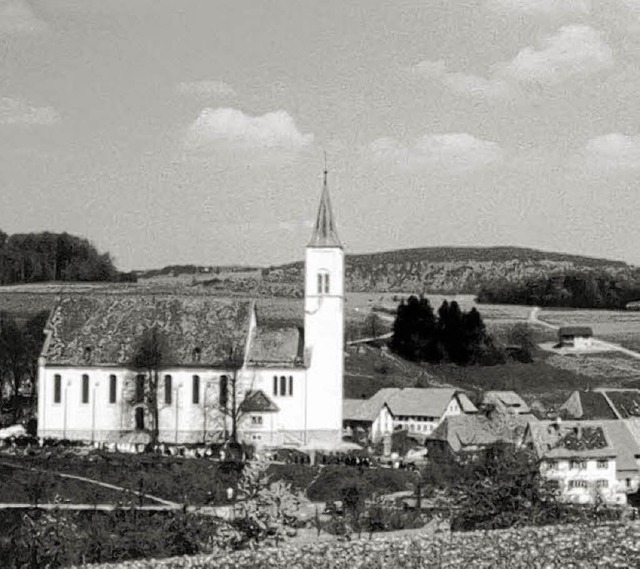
(281, 386)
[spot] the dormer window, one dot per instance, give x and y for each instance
(197, 352)
(323, 282)
(87, 354)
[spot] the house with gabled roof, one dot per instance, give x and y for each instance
(287, 381)
(508, 400)
(465, 436)
(587, 459)
(418, 410)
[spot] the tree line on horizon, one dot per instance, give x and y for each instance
(42, 257)
(451, 335)
(569, 289)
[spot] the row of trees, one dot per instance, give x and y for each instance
(20, 346)
(572, 289)
(38, 257)
(450, 336)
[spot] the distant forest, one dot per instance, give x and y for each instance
(40, 257)
(570, 289)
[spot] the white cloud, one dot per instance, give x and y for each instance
(459, 152)
(16, 16)
(233, 128)
(15, 112)
(463, 83)
(542, 7)
(574, 51)
(613, 151)
(207, 88)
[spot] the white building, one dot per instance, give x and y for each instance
(576, 337)
(418, 410)
(289, 380)
(587, 459)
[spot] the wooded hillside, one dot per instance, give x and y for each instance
(39, 257)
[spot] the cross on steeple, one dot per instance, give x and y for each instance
(324, 231)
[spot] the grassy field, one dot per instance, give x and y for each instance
(601, 546)
(25, 487)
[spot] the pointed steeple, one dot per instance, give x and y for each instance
(324, 232)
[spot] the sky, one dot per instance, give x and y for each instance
(172, 132)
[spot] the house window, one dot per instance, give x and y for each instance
(283, 385)
(224, 391)
(602, 484)
(578, 465)
(552, 464)
(628, 482)
(603, 463)
(167, 389)
(275, 385)
(577, 483)
(256, 419)
(290, 385)
(323, 283)
(113, 383)
(196, 389)
(57, 388)
(85, 388)
(140, 388)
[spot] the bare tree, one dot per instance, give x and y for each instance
(150, 356)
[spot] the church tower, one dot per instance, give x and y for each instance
(324, 326)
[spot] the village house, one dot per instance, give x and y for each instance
(288, 381)
(508, 400)
(417, 410)
(587, 459)
(464, 436)
(576, 337)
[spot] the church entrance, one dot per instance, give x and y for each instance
(139, 419)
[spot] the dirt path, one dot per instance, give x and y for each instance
(93, 481)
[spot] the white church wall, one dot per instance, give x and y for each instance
(324, 339)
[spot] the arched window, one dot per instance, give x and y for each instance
(275, 385)
(113, 383)
(57, 388)
(224, 391)
(323, 282)
(167, 389)
(196, 390)
(140, 388)
(283, 385)
(85, 388)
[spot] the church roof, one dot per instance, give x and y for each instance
(324, 231)
(279, 347)
(105, 329)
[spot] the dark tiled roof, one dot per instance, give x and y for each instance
(199, 330)
(625, 401)
(279, 347)
(471, 431)
(588, 405)
(575, 331)
(571, 439)
(257, 402)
